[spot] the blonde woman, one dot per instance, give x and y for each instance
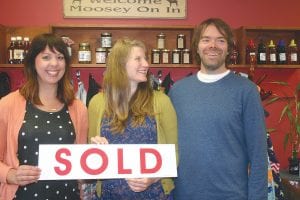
(128, 111)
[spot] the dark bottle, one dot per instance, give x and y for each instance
(281, 53)
(251, 52)
(234, 55)
(10, 50)
(271, 55)
(26, 46)
(293, 53)
(261, 53)
(19, 51)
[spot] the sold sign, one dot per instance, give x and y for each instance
(93, 161)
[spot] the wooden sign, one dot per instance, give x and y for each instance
(170, 9)
(91, 161)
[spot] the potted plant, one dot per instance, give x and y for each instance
(291, 113)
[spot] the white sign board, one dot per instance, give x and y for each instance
(125, 9)
(93, 161)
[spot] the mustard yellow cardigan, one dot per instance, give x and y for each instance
(166, 121)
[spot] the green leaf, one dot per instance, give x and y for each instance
(298, 129)
(280, 83)
(272, 100)
(271, 130)
(285, 141)
(283, 112)
(298, 88)
(290, 115)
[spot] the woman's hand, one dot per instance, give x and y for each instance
(99, 140)
(23, 175)
(140, 184)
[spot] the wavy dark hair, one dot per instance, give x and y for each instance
(222, 27)
(30, 90)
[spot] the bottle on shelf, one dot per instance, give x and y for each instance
(271, 53)
(281, 53)
(234, 55)
(26, 45)
(19, 51)
(251, 52)
(10, 50)
(261, 53)
(292, 53)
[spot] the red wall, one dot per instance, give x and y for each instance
(236, 12)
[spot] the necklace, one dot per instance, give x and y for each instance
(51, 108)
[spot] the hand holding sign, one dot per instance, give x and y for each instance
(107, 161)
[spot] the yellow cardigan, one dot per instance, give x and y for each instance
(165, 117)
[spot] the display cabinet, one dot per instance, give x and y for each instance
(257, 33)
(148, 34)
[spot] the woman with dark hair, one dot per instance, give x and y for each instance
(128, 111)
(43, 111)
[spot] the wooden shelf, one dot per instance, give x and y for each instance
(103, 66)
(267, 66)
(167, 66)
(146, 33)
(258, 33)
(91, 33)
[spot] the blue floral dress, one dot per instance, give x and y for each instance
(116, 189)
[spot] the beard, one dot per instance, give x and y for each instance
(213, 64)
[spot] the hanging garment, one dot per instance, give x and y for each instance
(167, 83)
(81, 92)
(275, 166)
(154, 81)
(93, 89)
(271, 187)
(5, 84)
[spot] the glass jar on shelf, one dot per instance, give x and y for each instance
(155, 56)
(106, 40)
(101, 55)
(176, 56)
(180, 41)
(186, 56)
(165, 56)
(161, 40)
(84, 53)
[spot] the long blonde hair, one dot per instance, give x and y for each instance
(120, 106)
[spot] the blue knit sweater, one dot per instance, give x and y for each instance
(222, 140)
